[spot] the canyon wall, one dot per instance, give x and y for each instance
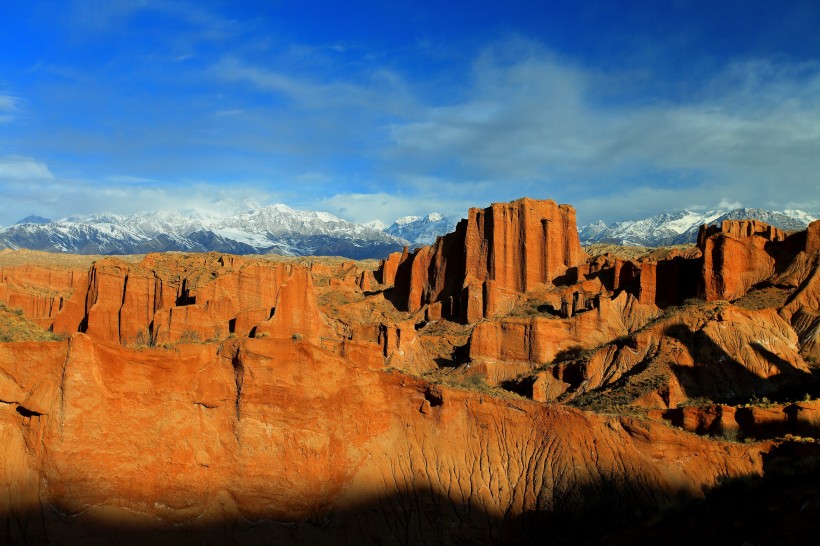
(227, 440)
(212, 398)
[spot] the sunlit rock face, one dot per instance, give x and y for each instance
(500, 386)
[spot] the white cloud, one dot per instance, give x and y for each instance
(527, 122)
(233, 70)
(378, 90)
(9, 108)
(551, 129)
(129, 180)
(23, 168)
(27, 186)
(387, 207)
(729, 204)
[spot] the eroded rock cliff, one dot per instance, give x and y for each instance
(498, 386)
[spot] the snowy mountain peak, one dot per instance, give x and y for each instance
(33, 219)
(800, 216)
(378, 225)
(276, 228)
(422, 230)
(678, 227)
(404, 220)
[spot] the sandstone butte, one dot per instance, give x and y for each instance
(499, 386)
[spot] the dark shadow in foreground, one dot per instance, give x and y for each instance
(783, 507)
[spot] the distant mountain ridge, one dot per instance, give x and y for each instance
(282, 230)
(34, 220)
(681, 227)
(422, 230)
(275, 229)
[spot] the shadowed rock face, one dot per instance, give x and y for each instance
(212, 398)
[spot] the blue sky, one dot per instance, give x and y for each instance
(374, 110)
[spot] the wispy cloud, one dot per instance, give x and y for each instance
(9, 108)
(114, 15)
(28, 186)
(23, 169)
(421, 196)
(130, 180)
(546, 126)
(386, 207)
(378, 90)
(367, 135)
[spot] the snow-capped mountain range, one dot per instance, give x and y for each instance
(680, 227)
(280, 229)
(272, 229)
(422, 230)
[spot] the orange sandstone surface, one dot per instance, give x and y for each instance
(499, 386)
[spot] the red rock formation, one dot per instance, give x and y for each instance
(165, 299)
(275, 430)
(800, 418)
(547, 387)
(403, 349)
(812, 237)
(736, 256)
(506, 248)
(669, 281)
(301, 417)
(540, 339)
(296, 314)
(722, 353)
(802, 308)
(389, 266)
(40, 292)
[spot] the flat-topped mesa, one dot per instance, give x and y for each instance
(494, 254)
(736, 256)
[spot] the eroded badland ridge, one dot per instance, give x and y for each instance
(499, 386)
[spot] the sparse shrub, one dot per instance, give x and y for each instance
(12, 310)
(219, 334)
(142, 340)
(696, 402)
(761, 402)
(189, 336)
(296, 337)
(476, 381)
(730, 435)
(14, 326)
